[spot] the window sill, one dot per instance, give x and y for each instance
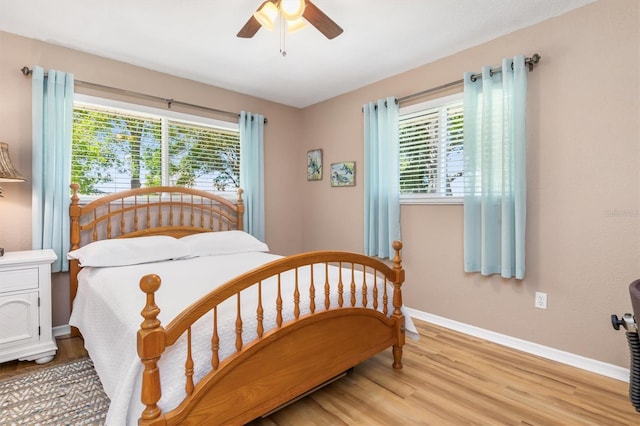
(421, 199)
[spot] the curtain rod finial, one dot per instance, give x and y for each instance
(26, 71)
(534, 59)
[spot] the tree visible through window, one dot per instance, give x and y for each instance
(116, 149)
(431, 150)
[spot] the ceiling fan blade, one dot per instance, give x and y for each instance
(322, 22)
(250, 28)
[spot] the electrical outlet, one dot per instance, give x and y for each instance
(541, 300)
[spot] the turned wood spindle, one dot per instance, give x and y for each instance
(151, 345)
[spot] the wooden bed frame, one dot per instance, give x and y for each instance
(281, 364)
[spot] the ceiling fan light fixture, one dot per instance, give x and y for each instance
(270, 11)
(295, 25)
(266, 15)
(292, 10)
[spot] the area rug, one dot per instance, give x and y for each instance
(66, 394)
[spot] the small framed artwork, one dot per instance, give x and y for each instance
(343, 174)
(314, 164)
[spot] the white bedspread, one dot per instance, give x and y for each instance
(107, 312)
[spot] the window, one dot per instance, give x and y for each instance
(117, 146)
(431, 151)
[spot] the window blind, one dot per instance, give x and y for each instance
(113, 150)
(203, 157)
(431, 151)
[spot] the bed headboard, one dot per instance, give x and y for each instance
(160, 210)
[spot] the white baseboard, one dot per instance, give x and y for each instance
(61, 330)
(592, 365)
(588, 364)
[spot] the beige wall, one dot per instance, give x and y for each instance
(282, 133)
(583, 232)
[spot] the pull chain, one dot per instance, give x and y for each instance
(283, 34)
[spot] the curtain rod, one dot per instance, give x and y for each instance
(28, 72)
(528, 61)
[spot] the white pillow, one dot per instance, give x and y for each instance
(222, 242)
(130, 251)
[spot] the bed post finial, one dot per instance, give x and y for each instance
(397, 261)
(150, 284)
(74, 197)
(151, 345)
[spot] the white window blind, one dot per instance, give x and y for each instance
(431, 151)
(203, 157)
(115, 149)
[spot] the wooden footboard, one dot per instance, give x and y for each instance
(345, 323)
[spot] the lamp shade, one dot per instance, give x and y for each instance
(295, 25)
(8, 173)
(292, 9)
(266, 15)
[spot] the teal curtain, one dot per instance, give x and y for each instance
(495, 170)
(252, 172)
(52, 126)
(381, 177)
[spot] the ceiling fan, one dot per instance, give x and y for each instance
(292, 12)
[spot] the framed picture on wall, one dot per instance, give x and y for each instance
(343, 174)
(314, 164)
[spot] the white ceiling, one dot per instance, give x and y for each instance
(196, 39)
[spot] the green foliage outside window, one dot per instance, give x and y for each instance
(115, 150)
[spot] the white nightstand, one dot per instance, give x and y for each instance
(25, 306)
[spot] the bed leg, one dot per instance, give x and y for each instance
(397, 356)
(151, 381)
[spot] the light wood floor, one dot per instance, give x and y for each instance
(451, 378)
(69, 349)
(448, 379)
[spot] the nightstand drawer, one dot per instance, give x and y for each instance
(18, 279)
